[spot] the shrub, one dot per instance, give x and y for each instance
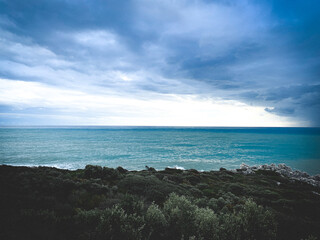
(256, 222)
(180, 212)
(86, 223)
(116, 224)
(150, 187)
(311, 237)
(229, 227)
(156, 222)
(206, 223)
(132, 204)
(92, 171)
(110, 174)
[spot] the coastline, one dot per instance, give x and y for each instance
(282, 169)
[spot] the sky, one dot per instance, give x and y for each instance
(160, 62)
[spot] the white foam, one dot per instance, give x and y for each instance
(177, 167)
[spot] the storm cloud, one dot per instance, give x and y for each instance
(263, 54)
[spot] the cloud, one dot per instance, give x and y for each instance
(255, 53)
(295, 100)
(29, 99)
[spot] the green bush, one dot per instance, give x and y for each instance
(86, 222)
(132, 204)
(117, 224)
(206, 223)
(180, 213)
(150, 187)
(102, 203)
(156, 222)
(256, 222)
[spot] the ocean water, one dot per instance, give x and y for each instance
(135, 147)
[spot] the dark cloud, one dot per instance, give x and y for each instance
(282, 111)
(265, 53)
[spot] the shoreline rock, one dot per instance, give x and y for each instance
(283, 170)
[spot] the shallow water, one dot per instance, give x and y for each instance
(136, 147)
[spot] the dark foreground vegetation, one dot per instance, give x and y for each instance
(106, 203)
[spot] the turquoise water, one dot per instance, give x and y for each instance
(136, 147)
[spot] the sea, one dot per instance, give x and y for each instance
(134, 148)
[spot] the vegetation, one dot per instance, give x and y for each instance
(105, 203)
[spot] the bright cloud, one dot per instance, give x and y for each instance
(172, 110)
(206, 63)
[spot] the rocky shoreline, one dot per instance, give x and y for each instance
(283, 170)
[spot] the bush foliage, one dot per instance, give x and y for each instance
(105, 203)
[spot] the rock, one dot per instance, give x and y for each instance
(150, 169)
(316, 177)
(121, 170)
(285, 167)
(244, 166)
(248, 171)
(283, 170)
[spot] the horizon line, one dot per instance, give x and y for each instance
(150, 126)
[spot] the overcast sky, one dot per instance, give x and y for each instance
(159, 62)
